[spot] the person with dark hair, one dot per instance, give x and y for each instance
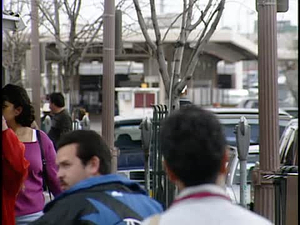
(195, 157)
(14, 167)
(61, 121)
(91, 194)
(19, 115)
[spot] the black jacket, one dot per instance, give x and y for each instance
(103, 200)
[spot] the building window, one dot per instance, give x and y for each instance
(143, 100)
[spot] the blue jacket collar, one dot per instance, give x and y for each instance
(95, 181)
(103, 179)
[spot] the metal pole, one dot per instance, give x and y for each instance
(264, 202)
(109, 79)
(35, 62)
(243, 131)
(243, 182)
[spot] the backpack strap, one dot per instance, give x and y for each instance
(44, 162)
(120, 208)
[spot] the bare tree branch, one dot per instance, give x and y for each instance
(67, 7)
(170, 27)
(160, 51)
(201, 17)
(190, 12)
(89, 44)
(47, 15)
(57, 28)
(199, 47)
(143, 25)
(190, 9)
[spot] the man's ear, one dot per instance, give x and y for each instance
(224, 162)
(169, 172)
(173, 177)
(93, 166)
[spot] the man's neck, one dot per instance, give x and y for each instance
(13, 125)
(220, 181)
(58, 110)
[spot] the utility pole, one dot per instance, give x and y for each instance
(108, 90)
(264, 202)
(35, 62)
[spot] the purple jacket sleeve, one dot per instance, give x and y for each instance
(51, 167)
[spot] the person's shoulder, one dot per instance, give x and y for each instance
(154, 219)
(260, 220)
(64, 114)
(66, 201)
(8, 133)
(43, 135)
(245, 215)
(46, 141)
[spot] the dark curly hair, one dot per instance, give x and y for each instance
(193, 145)
(57, 99)
(18, 96)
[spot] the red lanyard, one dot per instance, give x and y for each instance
(200, 195)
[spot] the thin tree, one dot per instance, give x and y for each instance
(72, 45)
(192, 17)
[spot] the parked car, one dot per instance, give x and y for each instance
(284, 104)
(288, 144)
(230, 117)
(293, 111)
(233, 176)
(251, 103)
(128, 135)
(288, 150)
(128, 140)
(131, 158)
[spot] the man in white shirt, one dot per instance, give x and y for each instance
(195, 156)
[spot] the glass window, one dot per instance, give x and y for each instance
(128, 137)
(228, 130)
(251, 160)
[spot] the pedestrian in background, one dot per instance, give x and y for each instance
(46, 118)
(195, 156)
(19, 115)
(91, 194)
(14, 172)
(61, 120)
(77, 117)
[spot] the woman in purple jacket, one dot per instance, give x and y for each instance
(19, 114)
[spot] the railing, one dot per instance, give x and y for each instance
(162, 189)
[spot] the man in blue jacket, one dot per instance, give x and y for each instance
(91, 194)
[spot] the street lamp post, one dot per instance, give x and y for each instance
(35, 62)
(264, 202)
(108, 108)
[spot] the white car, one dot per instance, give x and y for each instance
(288, 150)
(288, 144)
(233, 176)
(230, 117)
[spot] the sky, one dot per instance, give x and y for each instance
(239, 15)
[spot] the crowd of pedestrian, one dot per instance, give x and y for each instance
(75, 166)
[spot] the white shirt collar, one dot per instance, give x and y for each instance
(212, 188)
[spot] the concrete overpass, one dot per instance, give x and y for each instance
(223, 45)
